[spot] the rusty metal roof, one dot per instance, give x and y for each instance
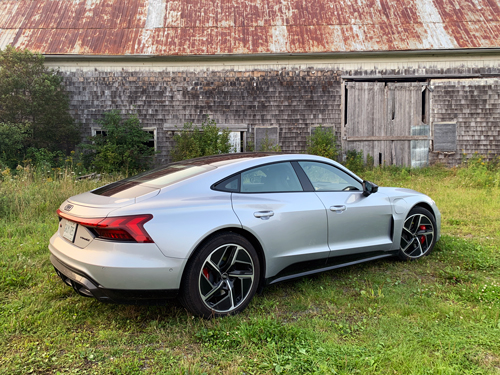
(219, 27)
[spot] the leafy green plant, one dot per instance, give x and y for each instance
(354, 161)
(121, 147)
(33, 102)
(322, 142)
(12, 137)
(268, 145)
(192, 141)
(480, 171)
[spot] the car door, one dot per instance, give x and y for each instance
(291, 224)
(355, 223)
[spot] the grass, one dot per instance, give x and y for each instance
(438, 315)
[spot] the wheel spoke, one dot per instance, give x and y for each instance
(241, 274)
(407, 246)
(215, 289)
(213, 266)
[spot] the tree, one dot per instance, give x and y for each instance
(33, 98)
(120, 147)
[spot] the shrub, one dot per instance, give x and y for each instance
(192, 142)
(121, 147)
(354, 161)
(323, 143)
(34, 106)
(12, 137)
(267, 145)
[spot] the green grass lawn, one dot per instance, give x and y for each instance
(438, 315)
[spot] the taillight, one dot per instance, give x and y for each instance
(121, 228)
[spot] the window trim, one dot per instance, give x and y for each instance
(334, 166)
(307, 186)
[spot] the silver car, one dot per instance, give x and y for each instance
(212, 231)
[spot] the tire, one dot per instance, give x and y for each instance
(418, 236)
(221, 278)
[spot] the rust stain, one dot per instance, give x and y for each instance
(213, 27)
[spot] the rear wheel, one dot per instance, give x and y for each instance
(419, 234)
(221, 278)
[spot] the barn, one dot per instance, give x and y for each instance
(409, 82)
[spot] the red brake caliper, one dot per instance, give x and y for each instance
(422, 238)
(205, 272)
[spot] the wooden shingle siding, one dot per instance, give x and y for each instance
(474, 105)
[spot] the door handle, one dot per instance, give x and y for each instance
(338, 208)
(264, 215)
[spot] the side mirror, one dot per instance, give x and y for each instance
(369, 188)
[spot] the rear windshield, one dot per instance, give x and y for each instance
(152, 180)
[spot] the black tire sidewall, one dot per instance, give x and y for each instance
(189, 292)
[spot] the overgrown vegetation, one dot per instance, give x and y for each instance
(268, 145)
(121, 146)
(34, 108)
(192, 141)
(443, 309)
(323, 142)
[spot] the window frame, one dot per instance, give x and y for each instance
(307, 186)
(333, 166)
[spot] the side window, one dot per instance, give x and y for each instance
(279, 177)
(229, 185)
(325, 177)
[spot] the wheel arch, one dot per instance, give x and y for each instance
(425, 206)
(244, 233)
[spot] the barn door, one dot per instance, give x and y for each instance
(387, 120)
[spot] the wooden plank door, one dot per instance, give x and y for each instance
(384, 120)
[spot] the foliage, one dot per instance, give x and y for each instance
(12, 137)
(354, 161)
(268, 145)
(480, 171)
(323, 143)
(122, 148)
(192, 142)
(33, 103)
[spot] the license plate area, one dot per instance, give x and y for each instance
(70, 230)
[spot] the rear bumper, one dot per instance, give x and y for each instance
(84, 285)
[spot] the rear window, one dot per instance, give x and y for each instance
(151, 180)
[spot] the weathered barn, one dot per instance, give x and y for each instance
(407, 81)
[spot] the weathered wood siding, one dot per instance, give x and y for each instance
(297, 97)
(474, 106)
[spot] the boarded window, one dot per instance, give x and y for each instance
(266, 138)
(445, 136)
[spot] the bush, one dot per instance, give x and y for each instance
(12, 137)
(192, 142)
(34, 106)
(354, 161)
(121, 147)
(323, 143)
(267, 145)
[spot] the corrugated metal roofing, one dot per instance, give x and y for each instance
(215, 27)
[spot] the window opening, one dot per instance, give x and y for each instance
(424, 102)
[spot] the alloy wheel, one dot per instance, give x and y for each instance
(226, 278)
(417, 237)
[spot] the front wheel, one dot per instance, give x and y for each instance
(419, 234)
(221, 278)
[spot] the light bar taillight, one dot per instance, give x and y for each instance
(120, 228)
